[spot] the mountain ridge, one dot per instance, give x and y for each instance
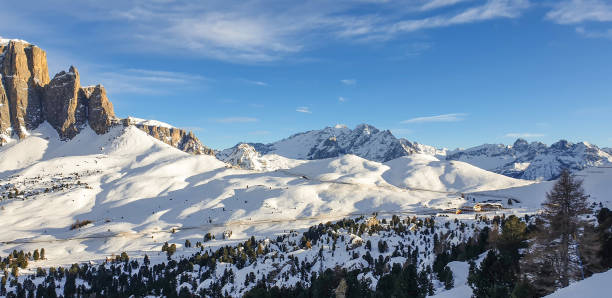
(29, 97)
(524, 160)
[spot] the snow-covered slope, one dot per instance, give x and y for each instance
(597, 285)
(140, 121)
(365, 141)
(136, 189)
(533, 161)
(596, 183)
(421, 171)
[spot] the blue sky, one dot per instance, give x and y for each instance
(449, 73)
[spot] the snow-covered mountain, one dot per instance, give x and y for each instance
(531, 161)
(246, 157)
(365, 141)
(534, 160)
(135, 188)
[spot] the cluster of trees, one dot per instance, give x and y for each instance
(14, 261)
(124, 277)
(533, 258)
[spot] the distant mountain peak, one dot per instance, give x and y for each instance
(535, 160)
(364, 140)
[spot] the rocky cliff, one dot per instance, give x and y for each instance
(173, 136)
(28, 97)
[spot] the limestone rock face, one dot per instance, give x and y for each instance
(28, 97)
(61, 103)
(176, 137)
(5, 117)
(23, 76)
(100, 110)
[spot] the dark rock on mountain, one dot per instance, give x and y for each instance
(24, 73)
(61, 103)
(28, 97)
(99, 109)
(175, 137)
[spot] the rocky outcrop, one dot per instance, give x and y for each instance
(100, 112)
(176, 137)
(62, 101)
(24, 74)
(5, 116)
(28, 97)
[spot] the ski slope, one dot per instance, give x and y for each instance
(139, 192)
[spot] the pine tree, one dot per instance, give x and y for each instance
(554, 257)
(42, 253)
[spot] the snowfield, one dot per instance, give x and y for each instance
(594, 286)
(139, 192)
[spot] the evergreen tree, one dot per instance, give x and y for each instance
(554, 257)
(604, 218)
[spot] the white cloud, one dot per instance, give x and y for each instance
(524, 135)
(140, 81)
(578, 11)
(594, 34)
(341, 99)
(492, 9)
(348, 82)
(235, 120)
(303, 110)
(254, 31)
(258, 83)
(437, 118)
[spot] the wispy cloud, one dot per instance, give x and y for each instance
(578, 11)
(341, 99)
(235, 120)
(437, 118)
(348, 81)
(524, 135)
(255, 31)
(303, 110)
(143, 81)
(594, 34)
(258, 83)
(492, 9)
